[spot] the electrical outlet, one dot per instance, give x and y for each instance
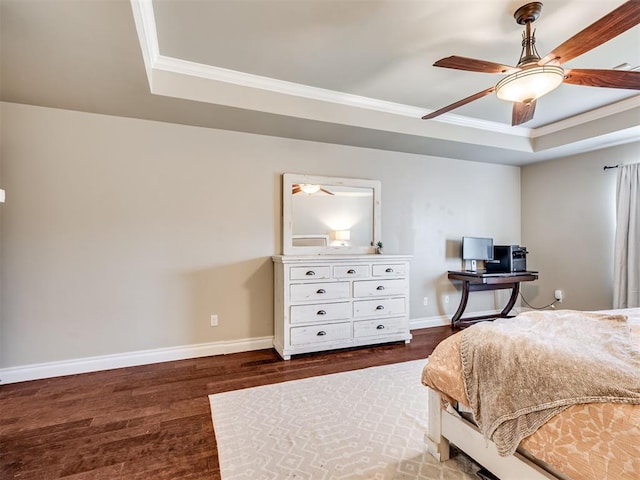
(559, 296)
(425, 301)
(214, 320)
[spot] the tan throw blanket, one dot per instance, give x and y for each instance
(519, 372)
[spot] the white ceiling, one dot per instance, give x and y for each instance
(356, 72)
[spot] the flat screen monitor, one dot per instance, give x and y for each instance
(477, 248)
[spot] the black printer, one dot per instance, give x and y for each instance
(508, 258)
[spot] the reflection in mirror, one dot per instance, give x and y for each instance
(330, 215)
(341, 215)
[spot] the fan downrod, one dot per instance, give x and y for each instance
(528, 13)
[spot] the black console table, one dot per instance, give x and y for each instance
(481, 280)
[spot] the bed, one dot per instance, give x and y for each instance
(591, 437)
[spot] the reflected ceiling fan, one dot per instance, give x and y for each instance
(534, 77)
(308, 188)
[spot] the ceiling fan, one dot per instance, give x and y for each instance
(308, 188)
(534, 77)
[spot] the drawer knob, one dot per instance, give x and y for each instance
(321, 291)
(321, 333)
(380, 307)
(380, 287)
(389, 270)
(310, 273)
(321, 312)
(351, 271)
(380, 327)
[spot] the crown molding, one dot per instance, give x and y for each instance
(145, 22)
(609, 140)
(186, 67)
(209, 72)
(596, 114)
(463, 121)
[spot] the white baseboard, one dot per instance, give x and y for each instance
(429, 322)
(443, 320)
(145, 357)
(130, 359)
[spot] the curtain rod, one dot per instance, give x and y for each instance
(607, 167)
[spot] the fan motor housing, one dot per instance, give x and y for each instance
(528, 13)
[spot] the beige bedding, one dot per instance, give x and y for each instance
(585, 441)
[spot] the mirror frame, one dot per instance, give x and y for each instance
(289, 179)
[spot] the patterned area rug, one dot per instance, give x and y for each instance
(364, 424)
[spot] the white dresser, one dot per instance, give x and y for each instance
(324, 302)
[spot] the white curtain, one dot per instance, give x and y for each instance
(626, 269)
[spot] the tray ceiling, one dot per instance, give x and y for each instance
(347, 72)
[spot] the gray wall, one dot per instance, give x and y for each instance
(568, 225)
(121, 235)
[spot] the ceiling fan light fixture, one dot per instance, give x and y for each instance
(531, 83)
(309, 188)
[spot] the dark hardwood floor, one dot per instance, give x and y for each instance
(153, 421)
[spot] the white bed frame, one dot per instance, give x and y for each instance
(448, 426)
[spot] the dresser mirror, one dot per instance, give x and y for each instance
(329, 215)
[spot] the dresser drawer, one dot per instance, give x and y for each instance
(351, 271)
(372, 288)
(382, 326)
(302, 292)
(320, 312)
(320, 333)
(317, 272)
(390, 270)
(383, 307)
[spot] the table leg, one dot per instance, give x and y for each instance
(463, 304)
(512, 301)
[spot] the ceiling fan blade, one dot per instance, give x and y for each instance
(473, 65)
(611, 25)
(522, 112)
(460, 103)
(326, 191)
(603, 78)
